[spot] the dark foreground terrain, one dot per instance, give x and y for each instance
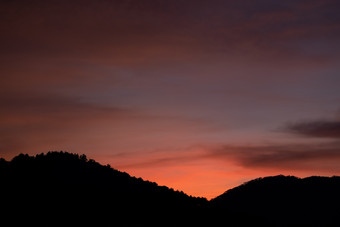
(63, 189)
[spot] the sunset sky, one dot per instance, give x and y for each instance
(197, 95)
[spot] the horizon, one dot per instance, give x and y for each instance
(200, 96)
(208, 198)
(83, 157)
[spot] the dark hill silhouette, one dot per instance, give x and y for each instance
(285, 200)
(64, 189)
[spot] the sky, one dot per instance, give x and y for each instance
(199, 96)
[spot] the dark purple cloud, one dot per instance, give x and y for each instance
(321, 129)
(281, 157)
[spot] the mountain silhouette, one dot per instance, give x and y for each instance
(65, 189)
(285, 200)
